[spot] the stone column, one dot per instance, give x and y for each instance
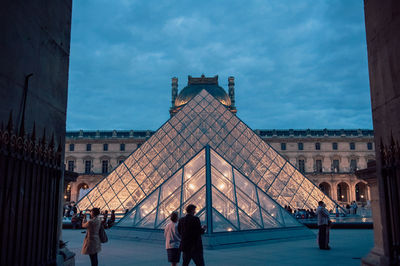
(382, 24)
(369, 175)
(352, 187)
(334, 191)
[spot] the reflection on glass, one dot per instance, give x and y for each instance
(171, 185)
(168, 206)
(246, 223)
(194, 183)
(220, 224)
(223, 185)
(193, 166)
(224, 207)
(250, 207)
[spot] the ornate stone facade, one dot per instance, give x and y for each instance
(327, 157)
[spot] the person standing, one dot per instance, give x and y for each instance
(74, 220)
(105, 218)
(91, 244)
(111, 221)
(323, 226)
(355, 206)
(173, 240)
(190, 229)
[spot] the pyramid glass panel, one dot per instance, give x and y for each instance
(222, 184)
(220, 224)
(226, 208)
(193, 184)
(171, 185)
(235, 203)
(246, 223)
(203, 121)
(168, 206)
(147, 206)
(247, 205)
(270, 221)
(147, 221)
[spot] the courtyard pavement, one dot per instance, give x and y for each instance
(348, 247)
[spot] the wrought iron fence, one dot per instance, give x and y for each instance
(30, 172)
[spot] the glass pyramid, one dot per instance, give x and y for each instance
(203, 121)
(226, 200)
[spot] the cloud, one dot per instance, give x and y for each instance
(296, 64)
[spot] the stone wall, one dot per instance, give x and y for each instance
(382, 22)
(35, 39)
(34, 63)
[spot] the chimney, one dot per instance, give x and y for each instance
(231, 85)
(174, 90)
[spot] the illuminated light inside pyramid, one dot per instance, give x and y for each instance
(232, 200)
(203, 121)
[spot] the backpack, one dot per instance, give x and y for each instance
(103, 235)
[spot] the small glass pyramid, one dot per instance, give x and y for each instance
(203, 121)
(226, 200)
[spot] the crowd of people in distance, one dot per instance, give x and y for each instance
(301, 213)
(351, 209)
(71, 211)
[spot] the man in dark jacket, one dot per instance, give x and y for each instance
(190, 229)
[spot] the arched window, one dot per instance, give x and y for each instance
(343, 192)
(361, 192)
(326, 188)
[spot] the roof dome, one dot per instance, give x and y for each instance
(196, 85)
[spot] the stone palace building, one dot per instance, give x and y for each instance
(328, 157)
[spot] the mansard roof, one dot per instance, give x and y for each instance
(263, 133)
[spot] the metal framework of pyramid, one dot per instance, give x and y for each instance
(203, 121)
(226, 200)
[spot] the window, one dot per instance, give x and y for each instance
(105, 147)
(122, 147)
(300, 146)
(71, 147)
(71, 166)
(334, 146)
(317, 146)
(352, 146)
(369, 146)
(88, 147)
(353, 165)
(335, 166)
(88, 166)
(301, 166)
(318, 166)
(283, 146)
(104, 166)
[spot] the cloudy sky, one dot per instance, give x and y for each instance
(297, 64)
